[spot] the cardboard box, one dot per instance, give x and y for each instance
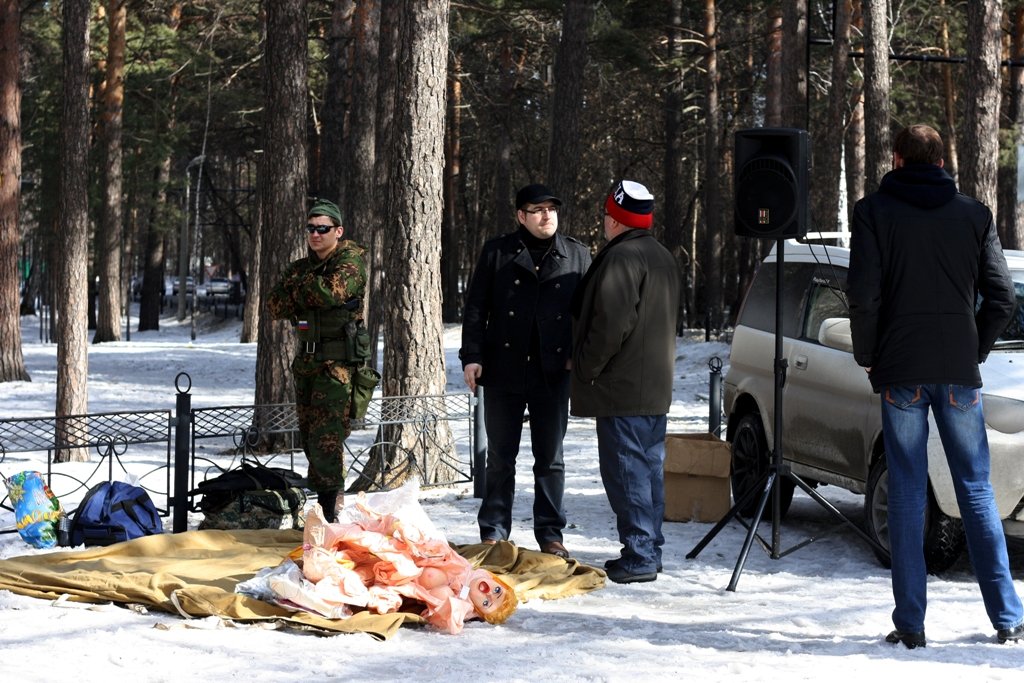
(696, 477)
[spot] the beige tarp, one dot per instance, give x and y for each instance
(194, 574)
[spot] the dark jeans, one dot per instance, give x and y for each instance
(547, 399)
(632, 457)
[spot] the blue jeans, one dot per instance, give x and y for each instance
(631, 451)
(547, 398)
(961, 425)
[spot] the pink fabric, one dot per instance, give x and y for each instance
(376, 561)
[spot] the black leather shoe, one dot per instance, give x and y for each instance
(1008, 634)
(620, 575)
(910, 640)
(608, 564)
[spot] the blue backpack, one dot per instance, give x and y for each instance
(113, 511)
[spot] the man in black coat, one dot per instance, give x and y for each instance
(929, 295)
(516, 341)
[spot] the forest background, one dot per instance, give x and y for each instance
(156, 139)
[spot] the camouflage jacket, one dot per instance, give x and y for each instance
(309, 284)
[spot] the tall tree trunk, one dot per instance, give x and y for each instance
(794, 64)
(828, 148)
(1011, 232)
(414, 353)
(72, 286)
(675, 201)
(283, 185)
(979, 169)
(949, 101)
(773, 89)
(328, 170)
(12, 360)
(565, 145)
(452, 247)
(110, 236)
(362, 185)
(712, 252)
(151, 298)
(877, 147)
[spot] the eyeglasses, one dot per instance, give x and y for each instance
(318, 229)
(543, 209)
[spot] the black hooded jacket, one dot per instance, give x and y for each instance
(921, 254)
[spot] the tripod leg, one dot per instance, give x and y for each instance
(752, 530)
(837, 514)
(733, 511)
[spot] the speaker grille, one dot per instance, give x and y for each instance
(766, 195)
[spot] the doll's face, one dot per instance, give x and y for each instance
(486, 594)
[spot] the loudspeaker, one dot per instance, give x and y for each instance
(770, 182)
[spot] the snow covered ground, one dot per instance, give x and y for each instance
(818, 613)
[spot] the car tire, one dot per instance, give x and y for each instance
(944, 538)
(750, 461)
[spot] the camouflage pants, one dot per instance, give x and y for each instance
(322, 397)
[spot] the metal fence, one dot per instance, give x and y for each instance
(187, 445)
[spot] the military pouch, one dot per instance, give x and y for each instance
(364, 380)
(361, 347)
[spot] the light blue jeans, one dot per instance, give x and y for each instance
(958, 415)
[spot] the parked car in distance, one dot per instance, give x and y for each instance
(189, 285)
(218, 286)
(831, 418)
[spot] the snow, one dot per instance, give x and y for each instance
(816, 613)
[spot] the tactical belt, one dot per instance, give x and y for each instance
(326, 350)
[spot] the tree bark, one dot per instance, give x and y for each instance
(877, 147)
(328, 170)
(110, 235)
(711, 262)
(1011, 231)
(565, 144)
(12, 360)
(949, 102)
(72, 285)
(794, 64)
(979, 169)
(773, 67)
(283, 185)
(414, 352)
(828, 148)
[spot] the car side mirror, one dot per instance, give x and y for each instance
(835, 333)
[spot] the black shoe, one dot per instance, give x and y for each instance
(620, 575)
(1006, 634)
(328, 500)
(910, 640)
(608, 564)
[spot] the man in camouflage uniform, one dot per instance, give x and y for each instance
(321, 295)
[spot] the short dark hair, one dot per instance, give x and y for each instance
(919, 144)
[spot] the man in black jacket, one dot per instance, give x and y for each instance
(516, 340)
(929, 294)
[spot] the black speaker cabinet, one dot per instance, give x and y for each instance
(770, 182)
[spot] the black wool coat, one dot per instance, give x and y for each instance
(508, 297)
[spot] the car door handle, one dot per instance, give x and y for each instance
(800, 362)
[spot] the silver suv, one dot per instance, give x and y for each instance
(832, 425)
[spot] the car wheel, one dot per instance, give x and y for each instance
(750, 461)
(944, 538)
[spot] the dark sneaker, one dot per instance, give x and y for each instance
(620, 575)
(910, 640)
(1007, 634)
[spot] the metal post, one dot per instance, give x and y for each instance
(479, 445)
(182, 460)
(715, 396)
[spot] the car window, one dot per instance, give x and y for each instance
(758, 309)
(826, 298)
(1015, 330)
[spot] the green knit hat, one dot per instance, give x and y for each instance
(322, 207)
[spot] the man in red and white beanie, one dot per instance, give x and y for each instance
(624, 334)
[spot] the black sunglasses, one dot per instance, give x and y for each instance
(318, 229)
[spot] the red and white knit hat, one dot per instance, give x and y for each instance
(631, 204)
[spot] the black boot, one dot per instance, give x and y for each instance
(327, 500)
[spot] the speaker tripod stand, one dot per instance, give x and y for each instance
(769, 482)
